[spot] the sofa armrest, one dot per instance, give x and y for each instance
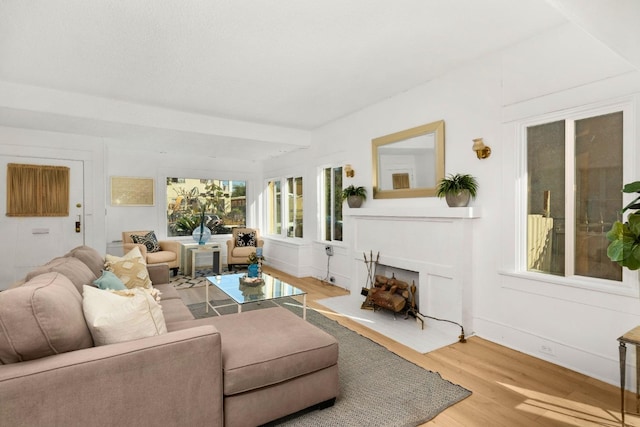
(171, 246)
(171, 379)
(159, 273)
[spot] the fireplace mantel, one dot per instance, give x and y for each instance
(435, 242)
(415, 212)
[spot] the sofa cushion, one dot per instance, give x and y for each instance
(149, 240)
(113, 318)
(41, 318)
(269, 346)
(167, 291)
(243, 252)
(174, 310)
(133, 272)
(90, 257)
(74, 269)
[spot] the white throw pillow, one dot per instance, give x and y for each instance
(113, 318)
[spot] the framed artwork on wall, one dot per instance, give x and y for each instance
(132, 191)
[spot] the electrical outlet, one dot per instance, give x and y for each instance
(332, 279)
(546, 349)
(329, 250)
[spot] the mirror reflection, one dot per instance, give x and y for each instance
(409, 163)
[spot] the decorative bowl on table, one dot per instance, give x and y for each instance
(251, 281)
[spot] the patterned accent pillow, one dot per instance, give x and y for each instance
(149, 240)
(246, 239)
(133, 272)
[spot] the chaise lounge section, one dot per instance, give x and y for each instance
(242, 369)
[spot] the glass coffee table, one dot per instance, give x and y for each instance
(242, 293)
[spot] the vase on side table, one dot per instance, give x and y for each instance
(201, 234)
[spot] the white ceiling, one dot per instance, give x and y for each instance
(290, 63)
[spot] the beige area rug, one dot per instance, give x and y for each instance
(377, 387)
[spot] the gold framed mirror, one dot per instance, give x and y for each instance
(409, 163)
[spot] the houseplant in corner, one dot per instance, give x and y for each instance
(624, 237)
(457, 189)
(354, 196)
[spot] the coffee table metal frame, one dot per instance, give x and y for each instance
(272, 289)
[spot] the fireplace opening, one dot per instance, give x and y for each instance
(393, 289)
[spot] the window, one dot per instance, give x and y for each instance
(274, 207)
(294, 207)
(331, 206)
(288, 210)
(223, 201)
(35, 190)
(574, 178)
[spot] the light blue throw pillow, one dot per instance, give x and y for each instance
(108, 280)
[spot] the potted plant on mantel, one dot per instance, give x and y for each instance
(354, 196)
(457, 189)
(624, 237)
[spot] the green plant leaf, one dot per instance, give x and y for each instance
(354, 191)
(617, 229)
(634, 224)
(633, 187)
(454, 184)
(632, 261)
(615, 251)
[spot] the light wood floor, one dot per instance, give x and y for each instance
(509, 388)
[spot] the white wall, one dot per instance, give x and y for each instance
(127, 161)
(39, 146)
(104, 158)
(563, 68)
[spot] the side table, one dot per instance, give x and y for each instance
(631, 337)
(187, 257)
(215, 255)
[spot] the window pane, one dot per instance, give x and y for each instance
(337, 205)
(224, 203)
(598, 151)
(546, 195)
(332, 188)
(294, 207)
(328, 205)
(275, 207)
(595, 157)
(299, 204)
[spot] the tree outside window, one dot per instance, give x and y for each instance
(223, 202)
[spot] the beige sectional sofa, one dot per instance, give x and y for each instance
(242, 369)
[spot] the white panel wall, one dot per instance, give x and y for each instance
(563, 66)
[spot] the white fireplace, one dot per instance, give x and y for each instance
(435, 243)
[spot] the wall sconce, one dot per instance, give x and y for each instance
(482, 151)
(348, 171)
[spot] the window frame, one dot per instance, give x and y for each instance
(322, 206)
(629, 285)
(284, 206)
(230, 197)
